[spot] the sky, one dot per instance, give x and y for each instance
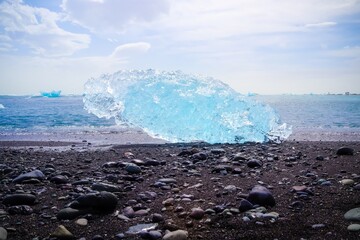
(258, 46)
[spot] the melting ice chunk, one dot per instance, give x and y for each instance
(52, 94)
(179, 107)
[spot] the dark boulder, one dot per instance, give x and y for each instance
(19, 199)
(345, 151)
(262, 196)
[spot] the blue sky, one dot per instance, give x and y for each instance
(263, 46)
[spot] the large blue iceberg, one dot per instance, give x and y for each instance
(179, 107)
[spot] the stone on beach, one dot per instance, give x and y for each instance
(3, 233)
(132, 168)
(345, 151)
(19, 199)
(262, 196)
(36, 174)
(197, 213)
(354, 227)
(105, 187)
(98, 201)
(62, 233)
(69, 213)
(353, 214)
(176, 235)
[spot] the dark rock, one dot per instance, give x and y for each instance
(105, 187)
(20, 209)
(103, 201)
(262, 196)
(152, 162)
(129, 212)
(156, 217)
(167, 180)
(220, 168)
(70, 213)
(132, 168)
(245, 205)
(59, 179)
(97, 237)
(200, 156)
(345, 151)
(110, 165)
(239, 157)
(197, 213)
(320, 158)
(19, 199)
(36, 174)
(218, 151)
(153, 235)
(254, 163)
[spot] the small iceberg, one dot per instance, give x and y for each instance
(2, 106)
(181, 107)
(52, 94)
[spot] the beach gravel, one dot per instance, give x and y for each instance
(180, 191)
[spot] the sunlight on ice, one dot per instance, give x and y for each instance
(180, 107)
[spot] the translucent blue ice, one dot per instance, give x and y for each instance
(51, 94)
(179, 107)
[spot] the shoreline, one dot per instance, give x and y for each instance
(214, 179)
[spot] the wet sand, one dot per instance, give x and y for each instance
(313, 187)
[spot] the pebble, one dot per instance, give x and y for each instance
(176, 235)
(317, 226)
(129, 212)
(136, 229)
(197, 213)
(347, 182)
(119, 236)
(167, 180)
(19, 199)
(154, 235)
(105, 187)
(262, 196)
(104, 201)
(230, 188)
(97, 237)
(132, 168)
(59, 179)
(254, 163)
(353, 214)
(354, 227)
(345, 151)
(20, 209)
(3, 233)
(36, 174)
(245, 205)
(62, 233)
(168, 202)
(156, 217)
(69, 213)
(82, 221)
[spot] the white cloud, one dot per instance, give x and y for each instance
(37, 28)
(109, 16)
(213, 19)
(130, 49)
(322, 24)
(346, 52)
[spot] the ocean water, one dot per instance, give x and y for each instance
(312, 117)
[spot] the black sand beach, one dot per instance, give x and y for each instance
(197, 188)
